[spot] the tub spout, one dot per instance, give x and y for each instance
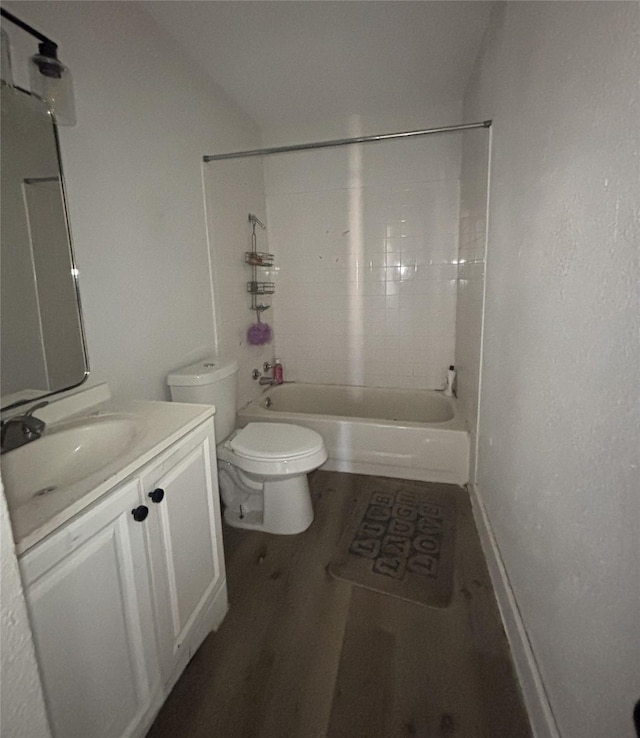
(267, 380)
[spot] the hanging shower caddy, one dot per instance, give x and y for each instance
(258, 333)
(257, 259)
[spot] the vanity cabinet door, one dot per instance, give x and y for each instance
(184, 540)
(90, 608)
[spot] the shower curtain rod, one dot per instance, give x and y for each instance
(344, 141)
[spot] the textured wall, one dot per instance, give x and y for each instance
(560, 406)
(22, 713)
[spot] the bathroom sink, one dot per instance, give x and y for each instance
(67, 453)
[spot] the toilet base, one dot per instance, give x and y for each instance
(249, 521)
(283, 505)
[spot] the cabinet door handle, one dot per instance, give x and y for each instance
(140, 513)
(157, 495)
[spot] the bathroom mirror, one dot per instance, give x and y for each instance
(42, 347)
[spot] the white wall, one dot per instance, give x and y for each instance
(133, 166)
(471, 274)
(22, 711)
(235, 188)
(560, 403)
(366, 240)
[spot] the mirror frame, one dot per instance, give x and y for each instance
(74, 270)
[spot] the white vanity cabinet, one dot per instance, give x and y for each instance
(184, 541)
(120, 602)
(90, 610)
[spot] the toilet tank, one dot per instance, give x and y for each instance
(209, 382)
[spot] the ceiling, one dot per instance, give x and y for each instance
(286, 63)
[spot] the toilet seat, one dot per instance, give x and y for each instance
(275, 441)
(274, 449)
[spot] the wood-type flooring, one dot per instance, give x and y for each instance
(303, 655)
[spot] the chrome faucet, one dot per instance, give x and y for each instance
(267, 367)
(267, 380)
(22, 429)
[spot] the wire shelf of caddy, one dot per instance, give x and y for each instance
(261, 288)
(259, 258)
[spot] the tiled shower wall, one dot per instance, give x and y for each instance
(234, 189)
(366, 241)
(471, 274)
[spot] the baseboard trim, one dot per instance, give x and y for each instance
(541, 717)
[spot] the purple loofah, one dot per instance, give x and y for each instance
(258, 334)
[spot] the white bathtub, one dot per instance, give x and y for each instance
(408, 434)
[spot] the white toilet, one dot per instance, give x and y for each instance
(262, 468)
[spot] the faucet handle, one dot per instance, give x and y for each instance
(267, 367)
(21, 429)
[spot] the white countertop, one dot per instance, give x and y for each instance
(161, 425)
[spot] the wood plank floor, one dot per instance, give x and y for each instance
(303, 655)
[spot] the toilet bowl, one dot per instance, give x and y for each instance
(262, 468)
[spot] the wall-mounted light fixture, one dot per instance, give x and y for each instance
(50, 78)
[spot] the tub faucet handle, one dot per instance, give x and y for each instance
(267, 367)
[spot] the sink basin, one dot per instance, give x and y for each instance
(67, 453)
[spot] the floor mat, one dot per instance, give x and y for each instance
(400, 541)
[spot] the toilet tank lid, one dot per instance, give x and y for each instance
(205, 371)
